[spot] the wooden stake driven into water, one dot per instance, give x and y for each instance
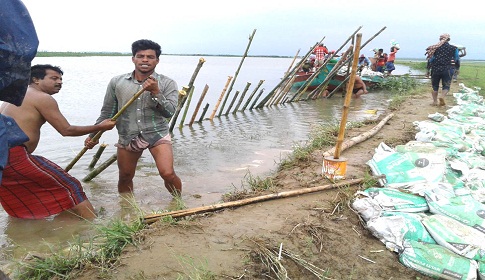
(189, 99)
(97, 155)
(220, 98)
(100, 168)
(98, 135)
(252, 95)
(183, 98)
(348, 96)
(204, 92)
(237, 72)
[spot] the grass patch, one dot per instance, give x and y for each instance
(101, 251)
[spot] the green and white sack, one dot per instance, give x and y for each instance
(392, 228)
(437, 261)
(456, 236)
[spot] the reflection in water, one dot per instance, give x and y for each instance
(211, 157)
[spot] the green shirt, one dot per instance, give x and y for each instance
(146, 116)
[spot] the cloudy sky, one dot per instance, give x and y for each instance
(282, 27)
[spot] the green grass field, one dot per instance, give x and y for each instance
(472, 73)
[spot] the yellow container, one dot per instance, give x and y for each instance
(334, 169)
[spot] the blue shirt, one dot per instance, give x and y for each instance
(18, 46)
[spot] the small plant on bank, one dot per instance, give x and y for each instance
(194, 269)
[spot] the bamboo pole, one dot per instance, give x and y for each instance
(202, 96)
(348, 96)
(151, 218)
(203, 112)
(288, 75)
(189, 88)
(95, 172)
(189, 99)
(232, 103)
(99, 133)
(362, 46)
(242, 97)
(360, 138)
(256, 100)
(333, 72)
(252, 95)
(293, 61)
(229, 78)
(307, 83)
(97, 155)
(237, 71)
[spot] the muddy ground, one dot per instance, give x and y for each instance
(316, 229)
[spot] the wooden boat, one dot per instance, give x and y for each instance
(369, 77)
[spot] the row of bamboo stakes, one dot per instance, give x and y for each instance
(280, 94)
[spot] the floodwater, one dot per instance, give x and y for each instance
(211, 157)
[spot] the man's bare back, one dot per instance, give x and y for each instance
(39, 106)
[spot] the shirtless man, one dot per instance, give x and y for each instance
(32, 186)
(359, 87)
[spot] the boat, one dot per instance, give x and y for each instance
(370, 78)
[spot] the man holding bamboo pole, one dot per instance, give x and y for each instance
(142, 125)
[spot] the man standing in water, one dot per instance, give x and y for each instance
(34, 187)
(144, 124)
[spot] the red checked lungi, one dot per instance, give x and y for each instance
(33, 187)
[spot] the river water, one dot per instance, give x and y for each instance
(211, 157)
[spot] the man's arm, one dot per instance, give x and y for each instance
(47, 106)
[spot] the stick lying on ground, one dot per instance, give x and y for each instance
(360, 138)
(151, 218)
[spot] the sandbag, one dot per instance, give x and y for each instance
(456, 236)
(437, 261)
(392, 228)
(372, 201)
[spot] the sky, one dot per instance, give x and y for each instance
(283, 28)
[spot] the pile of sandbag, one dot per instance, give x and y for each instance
(429, 207)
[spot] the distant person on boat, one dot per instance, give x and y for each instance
(363, 62)
(34, 187)
(390, 60)
(309, 63)
(144, 125)
(320, 52)
(380, 60)
(18, 47)
(440, 62)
